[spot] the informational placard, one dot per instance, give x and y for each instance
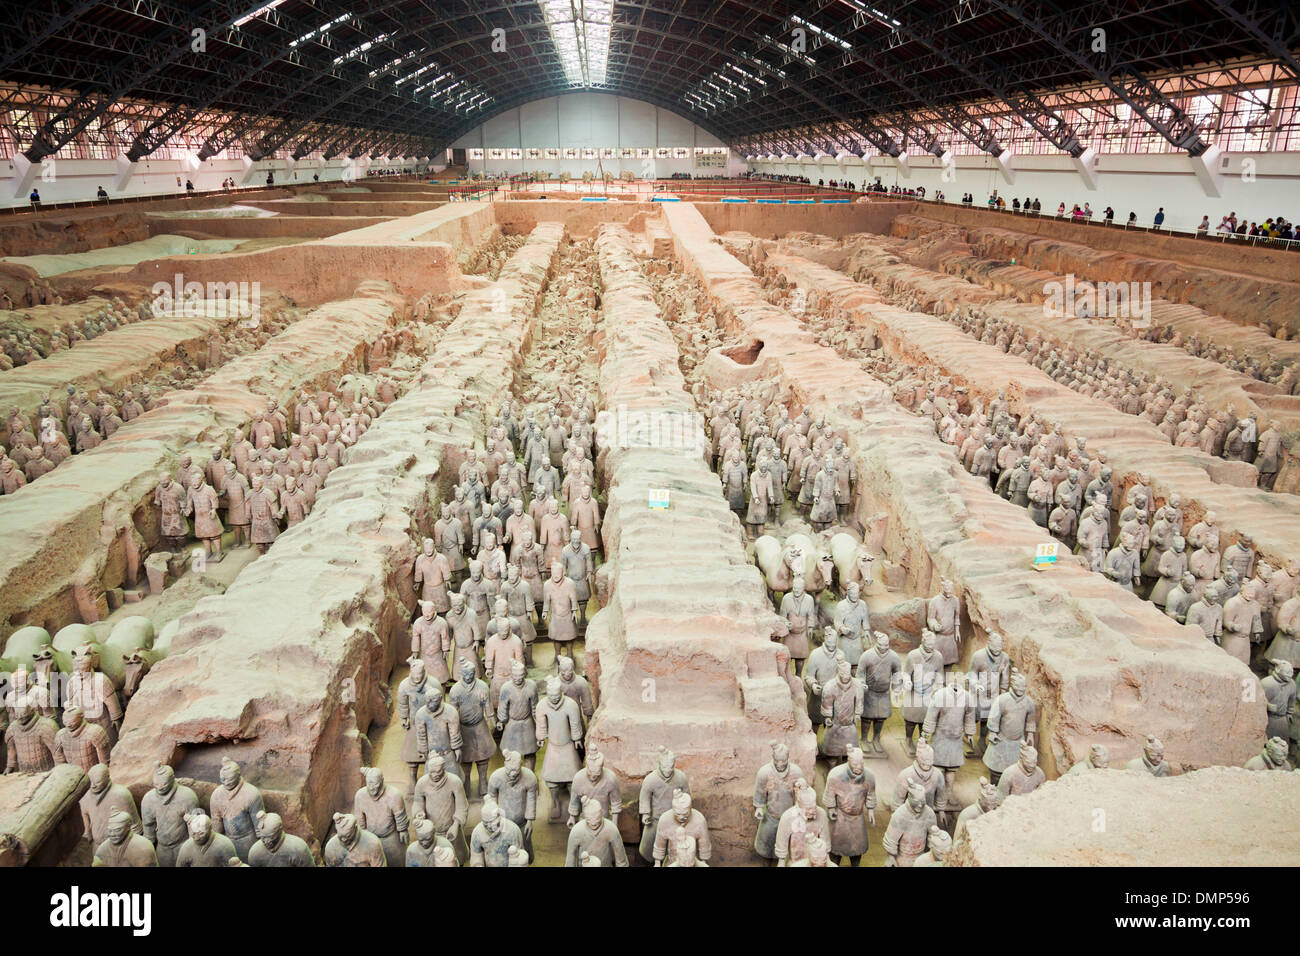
(658, 499)
(710, 160)
(1046, 556)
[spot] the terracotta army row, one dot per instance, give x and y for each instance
(1277, 372)
(86, 702)
(55, 432)
(1185, 420)
(1238, 601)
(762, 455)
(24, 344)
(272, 478)
(171, 829)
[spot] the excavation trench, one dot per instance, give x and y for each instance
(1132, 445)
(1103, 666)
(289, 669)
(1220, 386)
(681, 651)
(558, 357)
(88, 524)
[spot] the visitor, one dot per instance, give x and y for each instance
(1087, 210)
(1109, 216)
(1224, 227)
(270, 178)
(1132, 218)
(35, 198)
(101, 195)
(1160, 217)
(1204, 228)
(1038, 206)
(1015, 204)
(189, 186)
(1060, 210)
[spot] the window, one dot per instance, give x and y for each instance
(533, 153)
(552, 153)
(514, 154)
(663, 152)
(681, 152)
(588, 152)
(474, 154)
(496, 154)
(570, 152)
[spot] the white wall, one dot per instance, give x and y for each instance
(596, 120)
(70, 180)
(1141, 182)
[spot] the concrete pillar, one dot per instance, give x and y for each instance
(125, 170)
(1208, 168)
(1086, 165)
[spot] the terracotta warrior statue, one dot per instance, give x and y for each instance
(29, 739)
(943, 617)
(1024, 776)
(596, 837)
(169, 499)
(559, 728)
(656, 797)
(989, 799)
(353, 846)
(881, 671)
(102, 799)
(204, 848)
(122, 846)
(275, 848)
(494, 837)
(201, 502)
(820, 671)
(381, 811)
(595, 782)
(1152, 760)
(440, 798)
(850, 790)
(561, 609)
(922, 672)
(1013, 718)
(516, 716)
(799, 824)
(80, 743)
(800, 611)
(1272, 757)
(841, 711)
(163, 814)
(680, 822)
(908, 831)
(1098, 759)
(939, 846)
(437, 729)
(773, 796)
(234, 807)
(469, 696)
(514, 789)
(428, 849)
(949, 728)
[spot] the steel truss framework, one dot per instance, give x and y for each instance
(302, 77)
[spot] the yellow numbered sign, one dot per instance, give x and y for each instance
(1046, 556)
(659, 499)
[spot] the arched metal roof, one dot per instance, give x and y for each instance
(420, 73)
